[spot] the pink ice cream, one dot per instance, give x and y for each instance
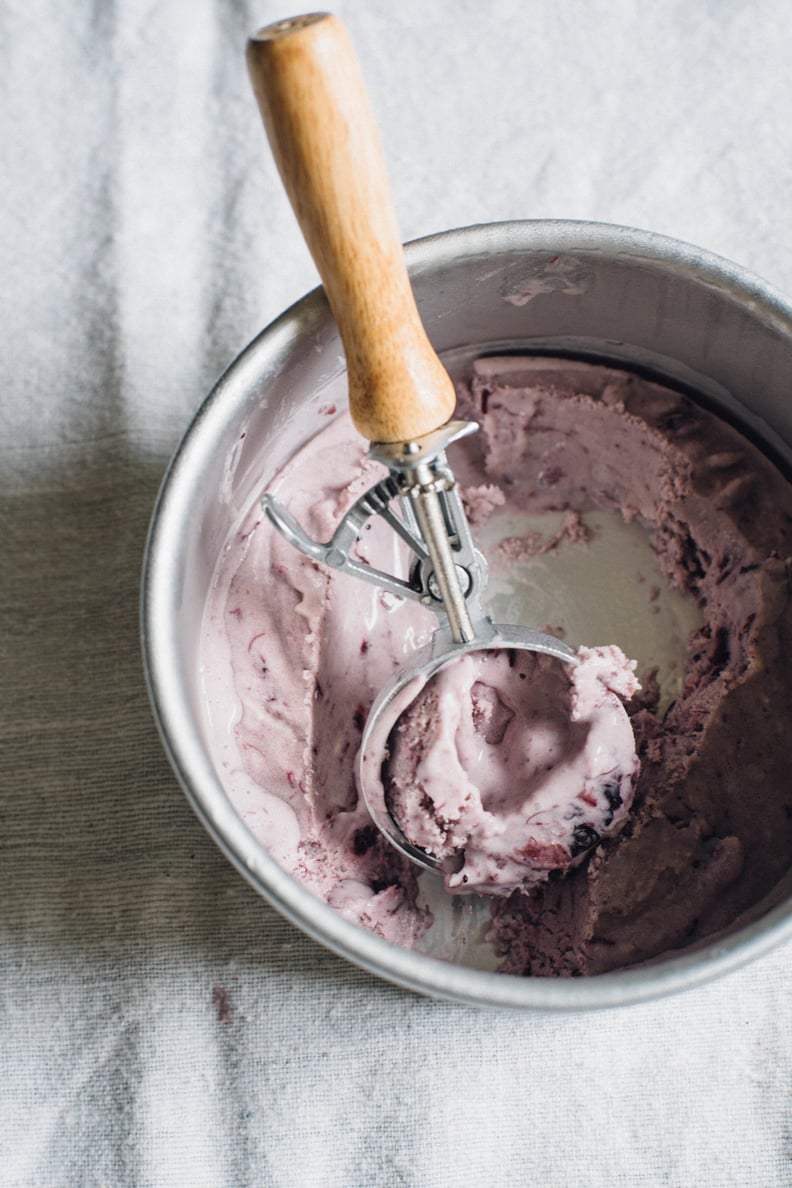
(293, 656)
(509, 765)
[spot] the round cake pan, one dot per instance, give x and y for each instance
(597, 291)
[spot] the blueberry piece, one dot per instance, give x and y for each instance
(613, 796)
(583, 839)
(364, 838)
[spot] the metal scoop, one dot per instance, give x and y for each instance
(319, 123)
(448, 575)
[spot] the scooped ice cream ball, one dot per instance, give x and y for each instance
(509, 764)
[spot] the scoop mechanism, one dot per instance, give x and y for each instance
(324, 140)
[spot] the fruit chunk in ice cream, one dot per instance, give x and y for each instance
(509, 764)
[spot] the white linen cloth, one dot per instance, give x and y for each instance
(160, 1025)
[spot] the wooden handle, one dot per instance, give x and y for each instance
(321, 128)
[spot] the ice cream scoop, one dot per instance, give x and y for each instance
(323, 136)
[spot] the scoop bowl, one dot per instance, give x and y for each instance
(639, 300)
